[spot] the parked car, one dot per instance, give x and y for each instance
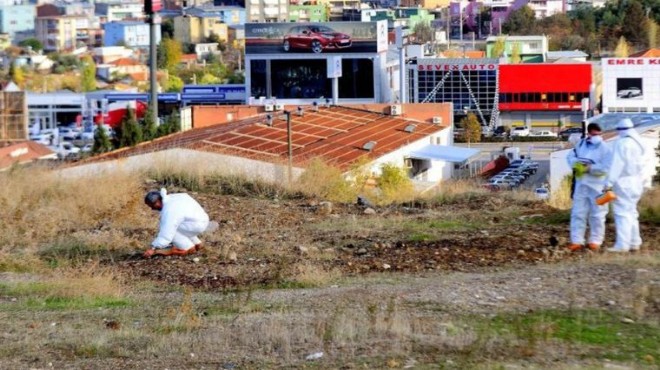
(69, 133)
(87, 148)
(628, 93)
(500, 131)
(66, 150)
(565, 134)
(43, 139)
(88, 133)
(500, 184)
(315, 38)
(541, 193)
(543, 133)
(520, 131)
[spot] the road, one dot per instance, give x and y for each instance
(537, 151)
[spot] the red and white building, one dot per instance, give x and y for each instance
(543, 95)
(631, 85)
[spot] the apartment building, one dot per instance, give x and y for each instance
(132, 34)
(259, 11)
(120, 10)
(193, 30)
(307, 11)
(230, 15)
(532, 49)
(17, 18)
(60, 33)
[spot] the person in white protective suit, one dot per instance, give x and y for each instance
(589, 161)
(625, 178)
(182, 219)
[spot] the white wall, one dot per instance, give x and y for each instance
(191, 159)
(646, 69)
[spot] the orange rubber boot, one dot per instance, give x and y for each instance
(574, 247)
(593, 247)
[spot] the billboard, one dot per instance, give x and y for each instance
(315, 38)
(629, 88)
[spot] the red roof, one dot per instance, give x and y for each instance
(188, 57)
(123, 62)
(648, 53)
(544, 78)
(22, 152)
(335, 134)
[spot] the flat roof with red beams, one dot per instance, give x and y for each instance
(544, 78)
(335, 134)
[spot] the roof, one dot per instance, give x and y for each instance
(445, 153)
(125, 23)
(566, 54)
(22, 152)
(648, 53)
(516, 38)
(478, 54)
(123, 62)
(335, 134)
(188, 57)
(514, 78)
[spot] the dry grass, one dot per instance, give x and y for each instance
(561, 198)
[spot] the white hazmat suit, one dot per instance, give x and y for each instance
(625, 176)
(594, 152)
(182, 219)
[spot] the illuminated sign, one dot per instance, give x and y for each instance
(456, 67)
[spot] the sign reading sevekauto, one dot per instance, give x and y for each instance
(632, 61)
(455, 67)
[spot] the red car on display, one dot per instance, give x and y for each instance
(315, 38)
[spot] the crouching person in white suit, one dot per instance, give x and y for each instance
(182, 219)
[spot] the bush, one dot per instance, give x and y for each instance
(325, 181)
(394, 184)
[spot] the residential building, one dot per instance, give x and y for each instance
(17, 18)
(128, 33)
(120, 68)
(426, 4)
(236, 36)
(193, 30)
(564, 56)
(230, 15)
(5, 41)
(337, 7)
(260, 11)
(204, 49)
(58, 33)
(574, 4)
(402, 16)
(108, 54)
(532, 49)
(120, 10)
(307, 11)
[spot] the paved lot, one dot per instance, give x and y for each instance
(537, 151)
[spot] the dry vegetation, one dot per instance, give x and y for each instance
(285, 276)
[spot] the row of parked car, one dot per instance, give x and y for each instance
(69, 142)
(513, 176)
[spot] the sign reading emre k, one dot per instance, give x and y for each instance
(634, 61)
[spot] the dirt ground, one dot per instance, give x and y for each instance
(259, 240)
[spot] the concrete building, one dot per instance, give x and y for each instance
(17, 18)
(128, 33)
(59, 33)
(120, 11)
(307, 11)
(266, 10)
(426, 4)
(257, 146)
(230, 15)
(193, 30)
(236, 36)
(631, 85)
(532, 49)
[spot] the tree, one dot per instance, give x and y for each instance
(88, 74)
(167, 28)
(101, 141)
(498, 47)
(131, 132)
(622, 48)
(472, 128)
(515, 53)
(169, 54)
(33, 43)
(652, 34)
(149, 125)
(174, 84)
(423, 32)
(171, 125)
(520, 22)
(16, 74)
(634, 24)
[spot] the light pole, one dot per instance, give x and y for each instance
(289, 144)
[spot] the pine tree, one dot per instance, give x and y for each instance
(131, 130)
(652, 34)
(498, 48)
(101, 141)
(149, 125)
(171, 125)
(634, 25)
(622, 48)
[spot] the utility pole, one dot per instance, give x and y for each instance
(289, 143)
(151, 7)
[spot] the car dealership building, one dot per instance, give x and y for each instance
(294, 63)
(631, 85)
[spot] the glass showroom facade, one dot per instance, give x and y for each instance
(470, 84)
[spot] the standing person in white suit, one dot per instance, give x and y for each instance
(589, 162)
(625, 178)
(182, 219)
